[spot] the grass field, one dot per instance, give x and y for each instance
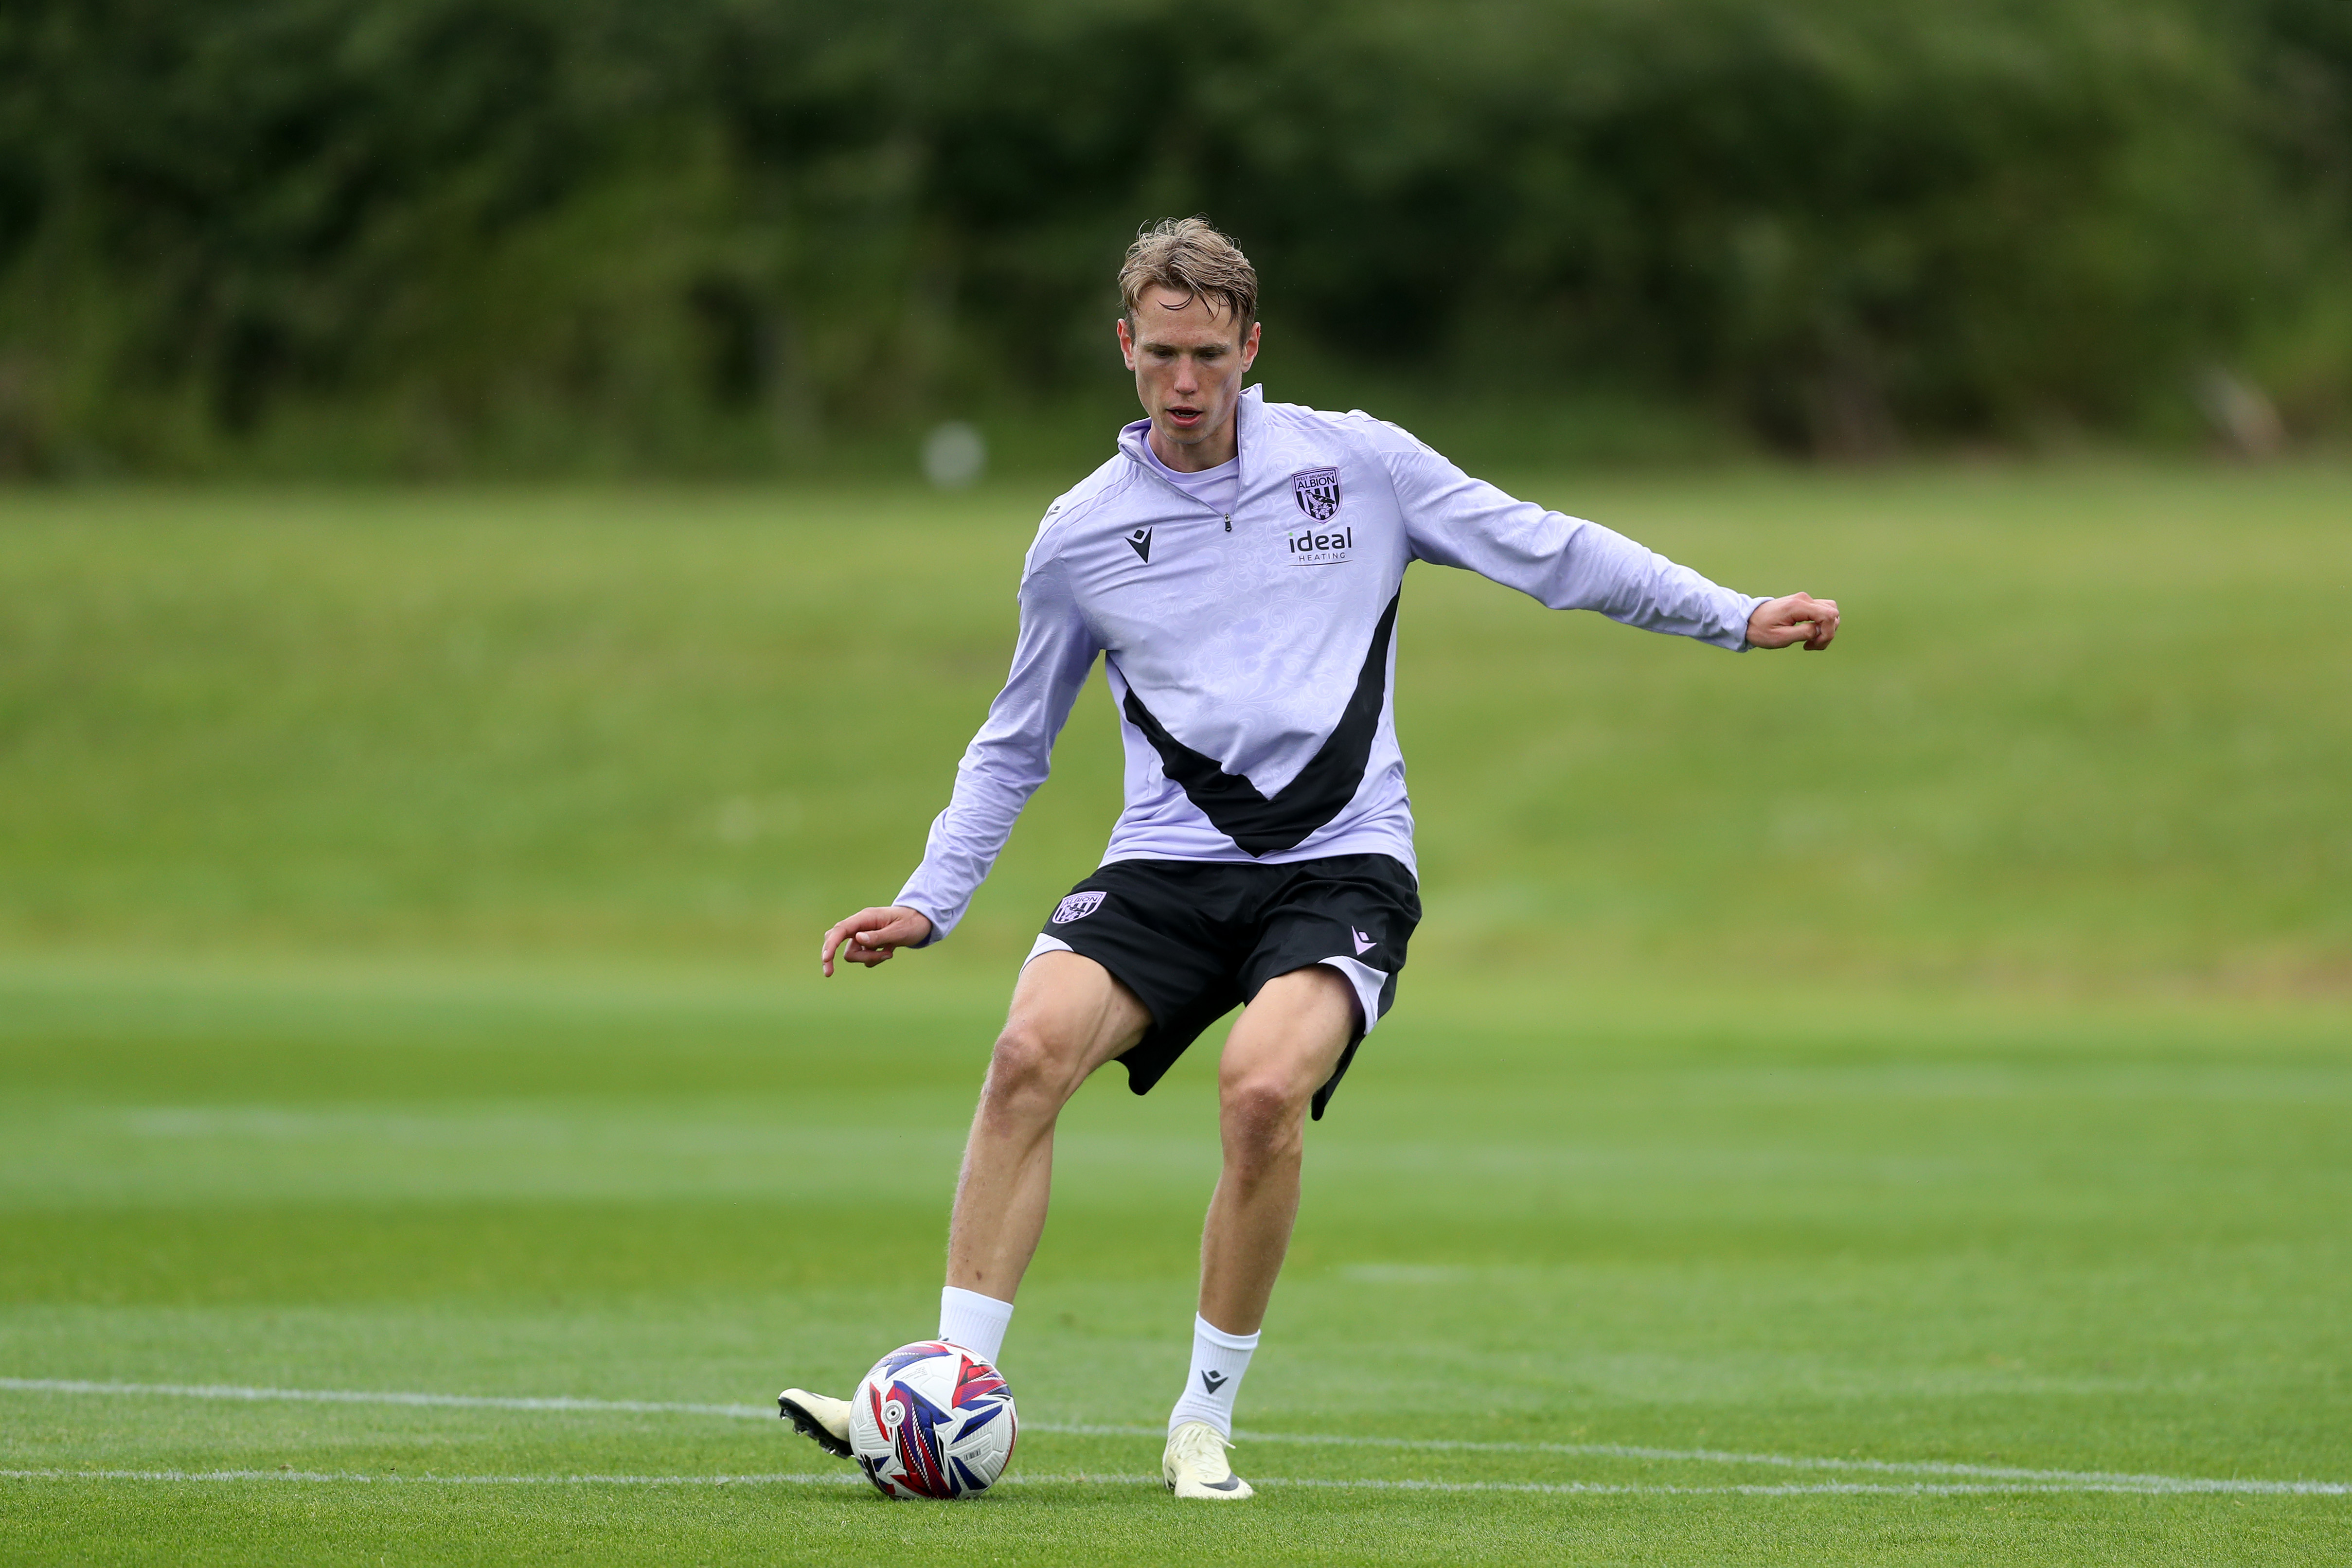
(1885, 1107)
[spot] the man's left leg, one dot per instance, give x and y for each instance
(1282, 1049)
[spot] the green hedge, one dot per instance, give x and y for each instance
(605, 235)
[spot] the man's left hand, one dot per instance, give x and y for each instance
(1799, 617)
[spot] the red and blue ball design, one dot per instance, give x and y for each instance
(932, 1420)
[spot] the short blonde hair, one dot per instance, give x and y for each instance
(1189, 256)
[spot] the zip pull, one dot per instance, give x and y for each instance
(1229, 522)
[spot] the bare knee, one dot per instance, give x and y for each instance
(1029, 1073)
(1262, 1119)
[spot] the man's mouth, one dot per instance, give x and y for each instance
(1183, 416)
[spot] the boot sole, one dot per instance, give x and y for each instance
(809, 1427)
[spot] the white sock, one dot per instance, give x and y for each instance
(1219, 1359)
(975, 1322)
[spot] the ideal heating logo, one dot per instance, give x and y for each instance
(1319, 547)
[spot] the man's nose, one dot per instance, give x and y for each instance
(1187, 377)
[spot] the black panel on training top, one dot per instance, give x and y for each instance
(1323, 787)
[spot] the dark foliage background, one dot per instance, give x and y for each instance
(583, 236)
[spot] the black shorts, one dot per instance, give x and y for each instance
(1195, 940)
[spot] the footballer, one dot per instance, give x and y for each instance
(1236, 566)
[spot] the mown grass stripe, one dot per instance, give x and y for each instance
(1576, 1489)
(387, 1396)
(1978, 1477)
(362, 1477)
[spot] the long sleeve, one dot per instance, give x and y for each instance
(1563, 562)
(1010, 756)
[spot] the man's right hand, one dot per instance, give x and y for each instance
(872, 935)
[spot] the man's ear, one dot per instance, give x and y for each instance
(1126, 343)
(1249, 348)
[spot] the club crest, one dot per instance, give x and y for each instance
(1078, 907)
(1316, 492)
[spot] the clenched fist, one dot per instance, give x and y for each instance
(1799, 617)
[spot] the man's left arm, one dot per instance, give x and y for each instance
(1793, 618)
(1570, 563)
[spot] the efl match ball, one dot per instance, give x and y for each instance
(931, 1420)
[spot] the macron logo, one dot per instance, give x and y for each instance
(1140, 542)
(1364, 945)
(1212, 1381)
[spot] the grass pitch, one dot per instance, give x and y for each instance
(1960, 1288)
(1936, 1155)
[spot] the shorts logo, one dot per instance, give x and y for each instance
(1364, 945)
(1078, 907)
(1317, 491)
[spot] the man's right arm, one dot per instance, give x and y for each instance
(1001, 768)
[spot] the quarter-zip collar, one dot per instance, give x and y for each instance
(1247, 413)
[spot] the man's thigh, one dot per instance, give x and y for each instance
(1173, 932)
(1076, 1010)
(1293, 1033)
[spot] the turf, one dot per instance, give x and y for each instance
(1932, 1055)
(2084, 730)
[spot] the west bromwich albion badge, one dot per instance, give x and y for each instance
(1317, 492)
(1078, 907)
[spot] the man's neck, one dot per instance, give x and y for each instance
(1210, 452)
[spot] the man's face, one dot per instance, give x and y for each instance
(1189, 356)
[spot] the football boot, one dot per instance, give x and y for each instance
(1194, 1464)
(815, 1415)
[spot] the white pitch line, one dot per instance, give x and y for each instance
(357, 1477)
(2169, 1486)
(1786, 1461)
(370, 1396)
(1554, 1489)
(2095, 1480)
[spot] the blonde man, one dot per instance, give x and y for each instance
(1236, 565)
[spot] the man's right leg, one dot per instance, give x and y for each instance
(1068, 1017)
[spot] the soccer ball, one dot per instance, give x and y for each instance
(931, 1420)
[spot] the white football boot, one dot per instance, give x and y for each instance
(817, 1417)
(1194, 1464)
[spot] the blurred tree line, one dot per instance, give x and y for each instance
(736, 235)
